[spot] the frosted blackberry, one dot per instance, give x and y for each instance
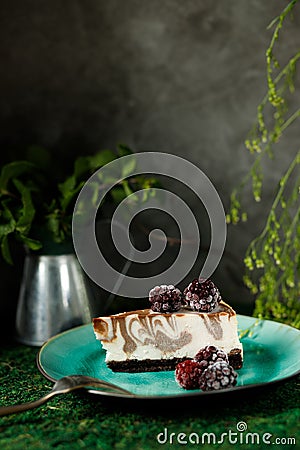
(219, 375)
(165, 298)
(210, 354)
(202, 296)
(188, 373)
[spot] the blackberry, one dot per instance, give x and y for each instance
(219, 375)
(165, 298)
(210, 354)
(188, 373)
(202, 295)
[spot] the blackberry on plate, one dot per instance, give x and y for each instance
(211, 354)
(165, 298)
(202, 295)
(219, 375)
(188, 373)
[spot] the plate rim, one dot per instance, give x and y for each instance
(184, 394)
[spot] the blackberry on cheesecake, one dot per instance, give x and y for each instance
(169, 332)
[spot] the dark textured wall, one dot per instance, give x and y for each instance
(183, 77)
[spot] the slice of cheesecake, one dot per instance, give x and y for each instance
(145, 340)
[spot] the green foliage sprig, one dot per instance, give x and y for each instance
(272, 259)
(36, 210)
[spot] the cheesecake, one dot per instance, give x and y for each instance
(158, 338)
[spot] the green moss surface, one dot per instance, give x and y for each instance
(80, 420)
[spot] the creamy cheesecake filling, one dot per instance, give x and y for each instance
(144, 334)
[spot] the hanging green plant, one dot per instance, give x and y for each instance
(272, 260)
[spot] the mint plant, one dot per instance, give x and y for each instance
(34, 208)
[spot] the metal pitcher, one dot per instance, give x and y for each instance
(54, 296)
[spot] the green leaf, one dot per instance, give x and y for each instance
(6, 229)
(54, 226)
(81, 166)
(127, 188)
(118, 194)
(107, 179)
(123, 150)
(53, 223)
(86, 165)
(13, 170)
(101, 158)
(147, 193)
(33, 244)
(5, 250)
(28, 211)
(69, 191)
(67, 186)
(128, 167)
(10, 223)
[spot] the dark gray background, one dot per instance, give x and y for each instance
(182, 77)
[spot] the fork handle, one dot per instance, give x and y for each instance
(5, 410)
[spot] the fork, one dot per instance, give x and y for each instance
(65, 385)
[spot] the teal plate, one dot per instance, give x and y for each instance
(271, 354)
